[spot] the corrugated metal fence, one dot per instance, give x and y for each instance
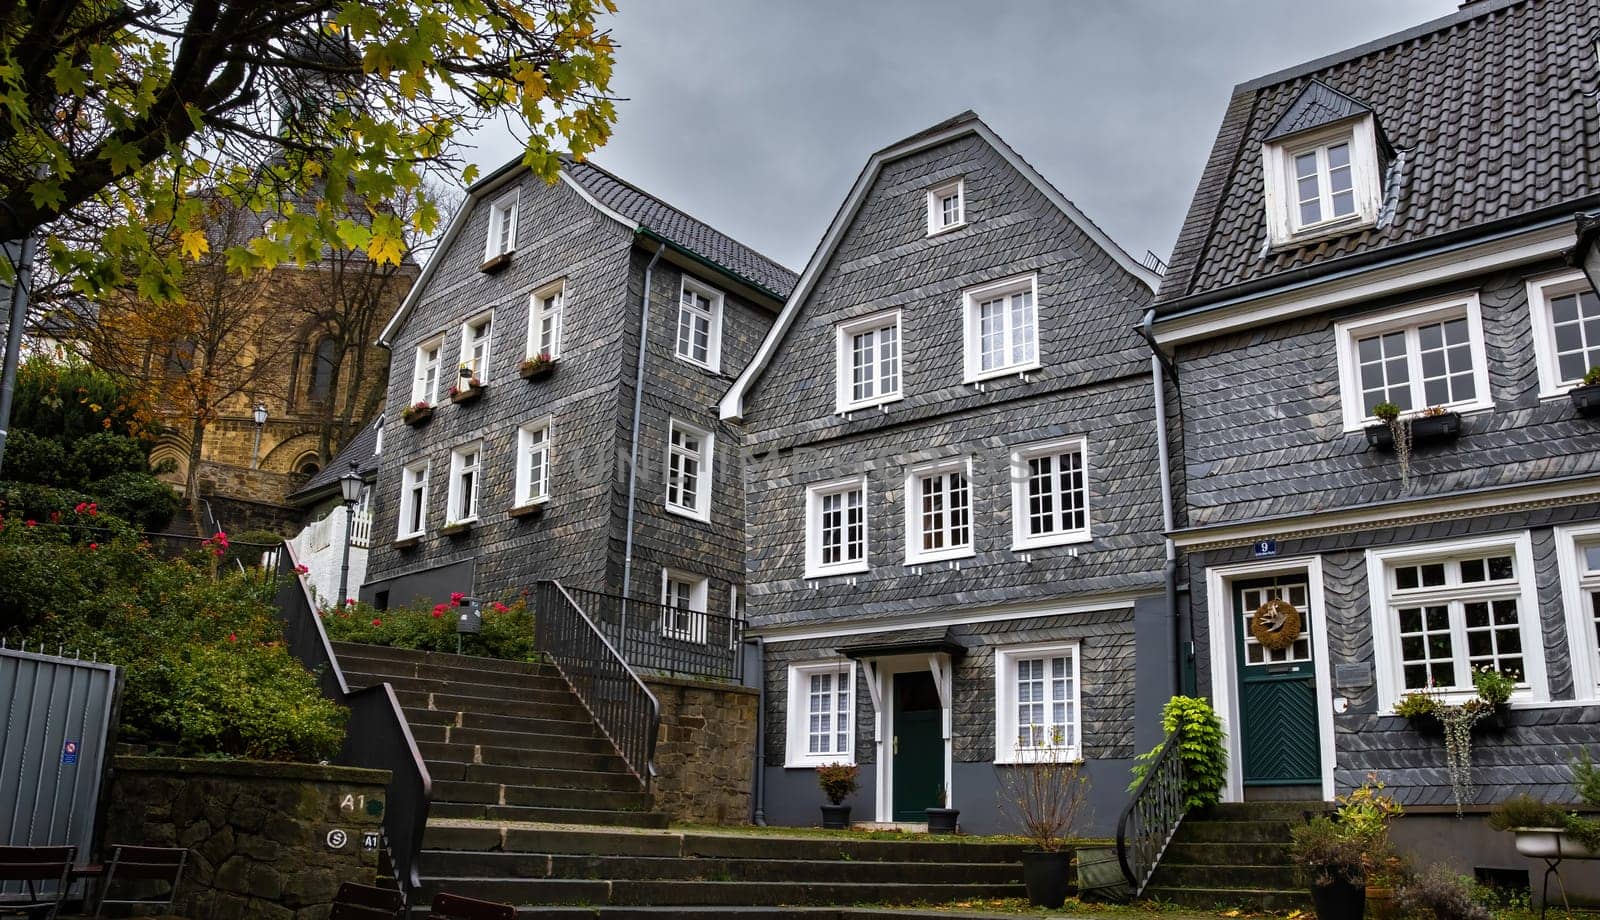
(58, 714)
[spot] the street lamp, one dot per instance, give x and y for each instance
(350, 485)
(260, 415)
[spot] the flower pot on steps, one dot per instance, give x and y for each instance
(1046, 876)
(942, 820)
(1339, 901)
(836, 817)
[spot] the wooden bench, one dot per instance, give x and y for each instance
(35, 867)
(366, 902)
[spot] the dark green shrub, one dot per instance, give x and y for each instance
(1441, 894)
(1526, 811)
(31, 501)
(1328, 853)
(30, 458)
(140, 498)
(67, 400)
(1205, 760)
(105, 454)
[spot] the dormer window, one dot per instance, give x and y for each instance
(1322, 163)
(947, 207)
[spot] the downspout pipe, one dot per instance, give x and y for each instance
(1159, 365)
(759, 818)
(633, 440)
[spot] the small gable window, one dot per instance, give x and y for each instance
(947, 206)
(502, 227)
(1323, 166)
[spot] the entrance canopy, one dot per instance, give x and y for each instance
(931, 640)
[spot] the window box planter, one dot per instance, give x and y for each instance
(527, 511)
(471, 392)
(495, 263)
(1586, 399)
(539, 368)
(1495, 722)
(1426, 430)
(407, 542)
(418, 415)
(1550, 843)
(456, 529)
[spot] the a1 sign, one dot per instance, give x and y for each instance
(1266, 548)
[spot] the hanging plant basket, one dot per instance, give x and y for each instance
(1496, 721)
(1586, 399)
(1426, 431)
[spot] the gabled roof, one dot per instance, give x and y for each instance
(732, 405)
(635, 209)
(1317, 105)
(362, 450)
(1487, 107)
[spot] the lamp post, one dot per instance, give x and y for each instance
(350, 486)
(260, 415)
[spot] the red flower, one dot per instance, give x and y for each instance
(93, 509)
(498, 607)
(94, 546)
(233, 637)
(349, 602)
(376, 622)
(301, 570)
(80, 507)
(55, 517)
(31, 523)
(456, 597)
(438, 610)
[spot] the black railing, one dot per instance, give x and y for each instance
(618, 701)
(1152, 816)
(378, 735)
(667, 640)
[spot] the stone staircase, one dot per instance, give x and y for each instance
(1234, 855)
(532, 806)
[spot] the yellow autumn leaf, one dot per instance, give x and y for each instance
(195, 243)
(385, 250)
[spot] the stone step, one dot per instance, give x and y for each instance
(513, 839)
(1257, 899)
(1193, 831)
(792, 912)
(1216, 854)
(1261, 811)
(700, 893)
(596, 817)
(465, 674)
(541, 796)
(565, 727)
(537, 696)
(405, 656)
(567, 866)
(1182, 875)
(566, 711)
(522, 757)
(511, 741)
(587, 780)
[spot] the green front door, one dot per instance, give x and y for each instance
(917, 747)
(1277, 691)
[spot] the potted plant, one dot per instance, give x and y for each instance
(942, 820)
(1340, 853)
(417, 414)
(1547, 831)
(838, 782)
(1586, 397)
(1489, 709)
(468, 389)
(1045, 794)
(537, 367)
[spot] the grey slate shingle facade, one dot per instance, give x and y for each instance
(580, 536)
(1094, 381)
(1499, 148)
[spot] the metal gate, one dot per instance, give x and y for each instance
(58, 714)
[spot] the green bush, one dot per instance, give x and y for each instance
(30, 458)
(140, 498)
(1205, 760)
(204, 664)
(506, 631)
(68, 400)
(105, 454)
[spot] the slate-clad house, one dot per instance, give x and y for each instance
(954, 504)
(1388, 225)
(497, 473)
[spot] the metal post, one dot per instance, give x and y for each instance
(344, 567)
(255, 451)
(13, 355)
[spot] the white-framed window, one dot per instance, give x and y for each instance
(1050, 494)
(939, 511)
(1578, 559)
(502, 237)
(1426, 355)
(414, 500)
(545, 313)
(1442, 610)
(699, 334)
(1323, 181)
(1566, 330)
(1038, 709)
(1002, 328)
(821, 714)
(867, 356)
(466, 467)
(684, 597)
(691, 453)
(947, 206)
(425, 377)
(476, 342)
(836, 527)
(533, 463)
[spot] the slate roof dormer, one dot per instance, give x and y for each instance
(1320, 105)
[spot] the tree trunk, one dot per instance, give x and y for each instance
(197, 434)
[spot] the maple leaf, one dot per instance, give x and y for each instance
(195, 243)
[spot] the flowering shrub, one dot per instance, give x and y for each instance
(506, 631)
(206, 671)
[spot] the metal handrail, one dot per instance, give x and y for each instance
(661, 639)
(1152, 815)
(618, 701)
(378, 735)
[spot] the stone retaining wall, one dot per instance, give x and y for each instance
(261, 836)
(705, 750)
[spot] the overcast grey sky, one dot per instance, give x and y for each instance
(755, 116)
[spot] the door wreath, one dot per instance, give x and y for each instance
(1275, 624)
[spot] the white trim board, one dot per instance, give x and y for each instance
(808, 631)
(1580, 626)
(732, 404)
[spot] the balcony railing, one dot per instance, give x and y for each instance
(668, 640)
